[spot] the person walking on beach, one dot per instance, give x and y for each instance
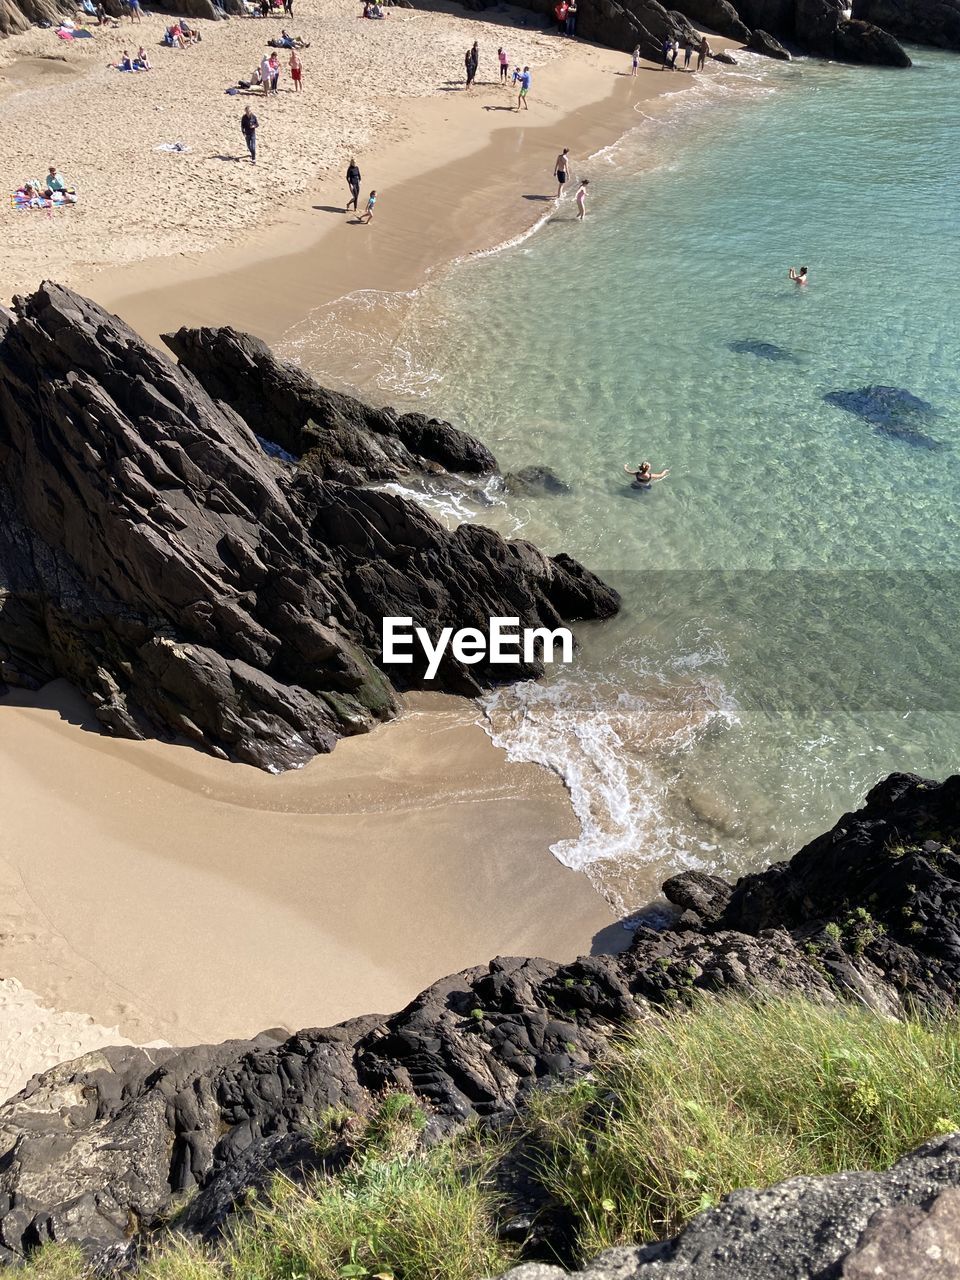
(703, 53)
(572, 18)
(524, 89)
(504, 65)
(367, 215)
(353, 182)
(687, 53)
(636, 61)
(135, 10)
(471, 61)
(582, 199)
(561, 169)
(249, 124)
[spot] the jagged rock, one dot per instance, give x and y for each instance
(763, 42)
(154, 555)
(337, 436)
(866, 43)
(853, 1226)
(719, 15)
(117, 1135)
(919, 21)
(535, 479)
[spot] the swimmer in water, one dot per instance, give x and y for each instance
(798, 277)
(643, 477)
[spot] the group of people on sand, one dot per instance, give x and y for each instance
(671, 51)
(372, 9)
(522, 79)
(267, 75)
(565, 13)
(54, 187)
(180, 34)
(353, 184)
(139, 63)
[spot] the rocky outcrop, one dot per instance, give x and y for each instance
(763, 42)
(189, 584)
(935, 22)
(719, 16)
(904, 1222)
(865, 43)
(869, 911)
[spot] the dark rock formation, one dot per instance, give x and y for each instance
(335, 436)
(763, 42)
(892, 411)
(719, 15)
(535, 479)
(866, 43)
(18, 15)
(154, 555)
(904, 1222)
(935, 22)
(870, 910)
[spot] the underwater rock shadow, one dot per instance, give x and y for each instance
(892, 412)
(762, 350)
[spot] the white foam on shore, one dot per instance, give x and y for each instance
(617, 751)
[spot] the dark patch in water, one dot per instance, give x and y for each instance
(892, 411)
(764, 350)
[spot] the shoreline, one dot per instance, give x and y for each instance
(166, 826)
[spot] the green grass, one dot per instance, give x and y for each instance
(682, 1110)
(739, 1094)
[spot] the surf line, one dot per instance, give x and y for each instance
(503, 643)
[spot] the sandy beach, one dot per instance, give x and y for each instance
(162, 894)
(180, 898)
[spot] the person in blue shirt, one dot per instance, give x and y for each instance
(524, 89)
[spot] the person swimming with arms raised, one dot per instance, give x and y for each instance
(643, 477)
(798, 277)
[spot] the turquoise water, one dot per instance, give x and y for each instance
(789, 632)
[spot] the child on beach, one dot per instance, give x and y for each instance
(367, 215)
(636, 60)
(296, 72)
(582, 199)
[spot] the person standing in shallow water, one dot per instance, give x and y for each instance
(643, 476)
(798, 277)
(636, 61)
(582, 199)
(703, 53)
(353, 182)
(687, 53)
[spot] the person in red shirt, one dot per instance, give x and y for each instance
(560, 13)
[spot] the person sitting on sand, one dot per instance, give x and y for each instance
(141, 62)
(174, 37)
(798, 277)
(54, 181)
(643, 477)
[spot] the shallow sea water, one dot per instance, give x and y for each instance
(789, 632)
